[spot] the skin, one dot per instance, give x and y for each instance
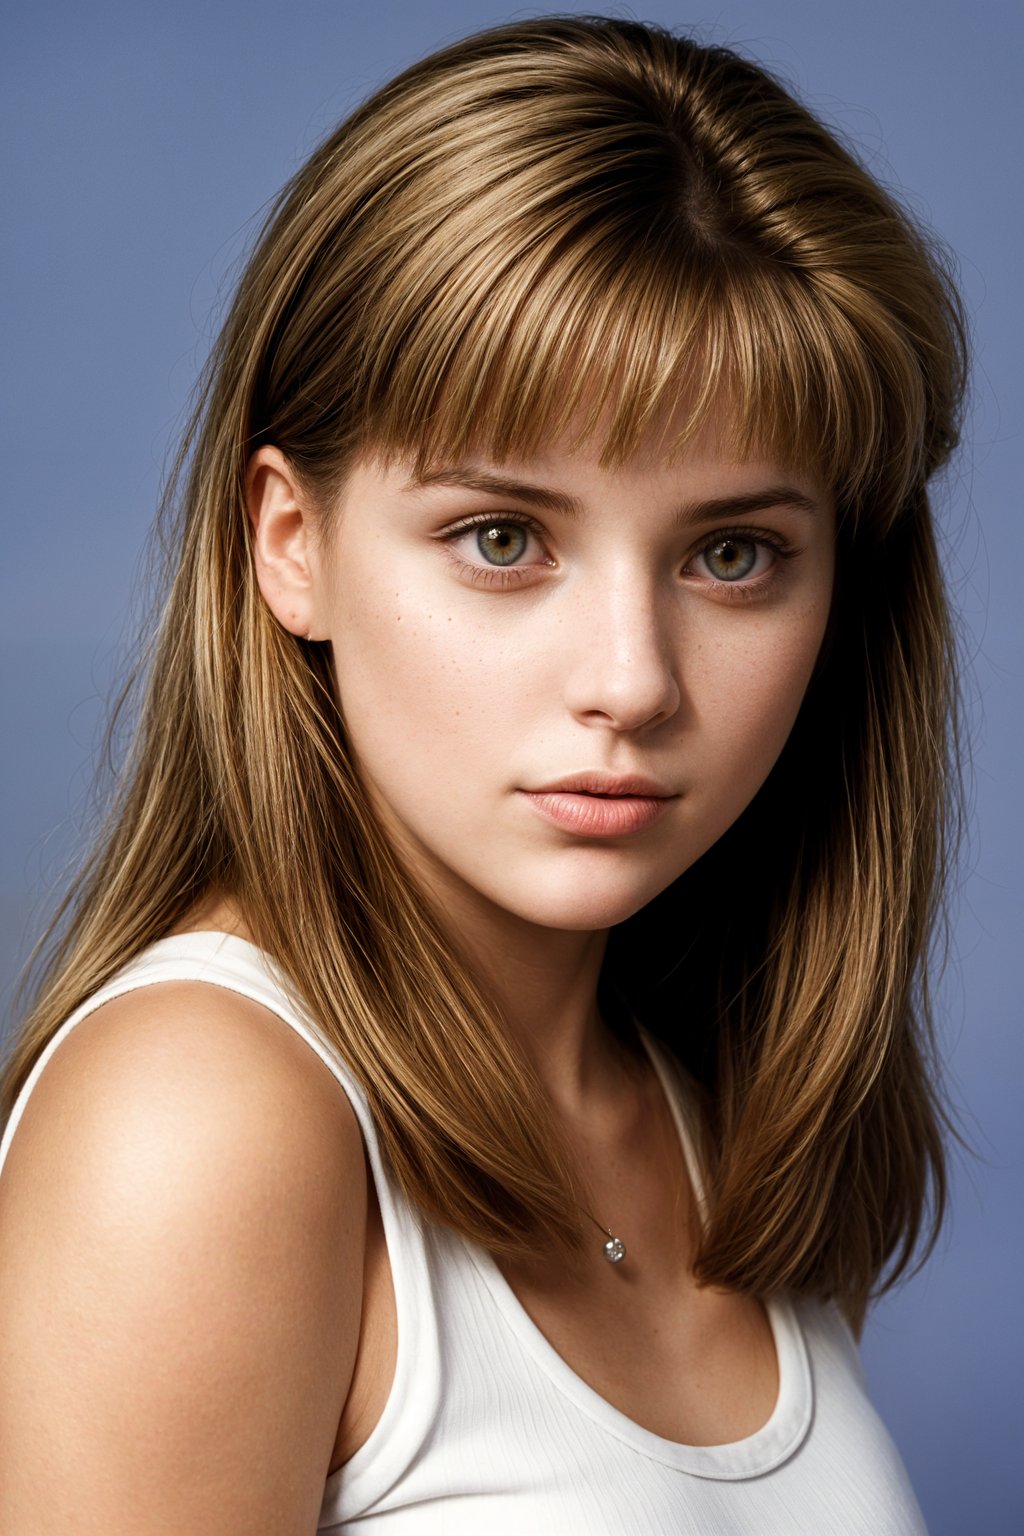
(216, 1280)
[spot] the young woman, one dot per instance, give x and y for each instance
(484, 1073)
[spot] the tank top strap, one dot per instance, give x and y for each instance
(225, 960)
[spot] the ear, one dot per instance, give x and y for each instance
(284, 548)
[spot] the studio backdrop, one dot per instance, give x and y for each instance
(143, 141)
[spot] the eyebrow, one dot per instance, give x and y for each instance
(712, 510)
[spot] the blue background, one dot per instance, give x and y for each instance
(141, 141)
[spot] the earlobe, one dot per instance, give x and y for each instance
(281, 517)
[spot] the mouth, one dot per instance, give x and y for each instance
(606, 786)
(601, 805)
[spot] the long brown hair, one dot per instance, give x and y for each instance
(567, 224)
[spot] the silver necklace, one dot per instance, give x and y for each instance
(614, 1249)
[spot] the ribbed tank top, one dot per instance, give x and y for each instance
(488, 1432)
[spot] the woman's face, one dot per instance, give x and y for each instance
(503, 630)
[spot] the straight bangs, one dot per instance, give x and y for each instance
(639, 345)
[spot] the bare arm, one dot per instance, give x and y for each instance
(182, 1221)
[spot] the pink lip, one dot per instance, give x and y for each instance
(599, 805)
(597, 782)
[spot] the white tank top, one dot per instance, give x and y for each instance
(488, 1432)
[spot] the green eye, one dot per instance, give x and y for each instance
(501, 543)
(731, 559)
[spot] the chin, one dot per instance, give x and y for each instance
(587, 909)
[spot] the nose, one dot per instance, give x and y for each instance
(621, 663)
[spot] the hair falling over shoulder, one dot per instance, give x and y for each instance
(669, 224)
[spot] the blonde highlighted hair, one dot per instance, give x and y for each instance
(565, 226)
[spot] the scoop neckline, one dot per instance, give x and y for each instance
(786, 1427)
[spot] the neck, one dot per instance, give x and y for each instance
(544, 982)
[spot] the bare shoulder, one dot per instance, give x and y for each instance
(187, 1091)
(187, 1191)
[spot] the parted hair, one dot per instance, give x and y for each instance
(568, 225)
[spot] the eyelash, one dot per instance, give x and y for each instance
(509, 576)
(504, 576)
(748, 591)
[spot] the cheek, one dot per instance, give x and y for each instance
(390, 686)
(420, 691)
(747, 693)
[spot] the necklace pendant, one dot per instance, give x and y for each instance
(614, 1249)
